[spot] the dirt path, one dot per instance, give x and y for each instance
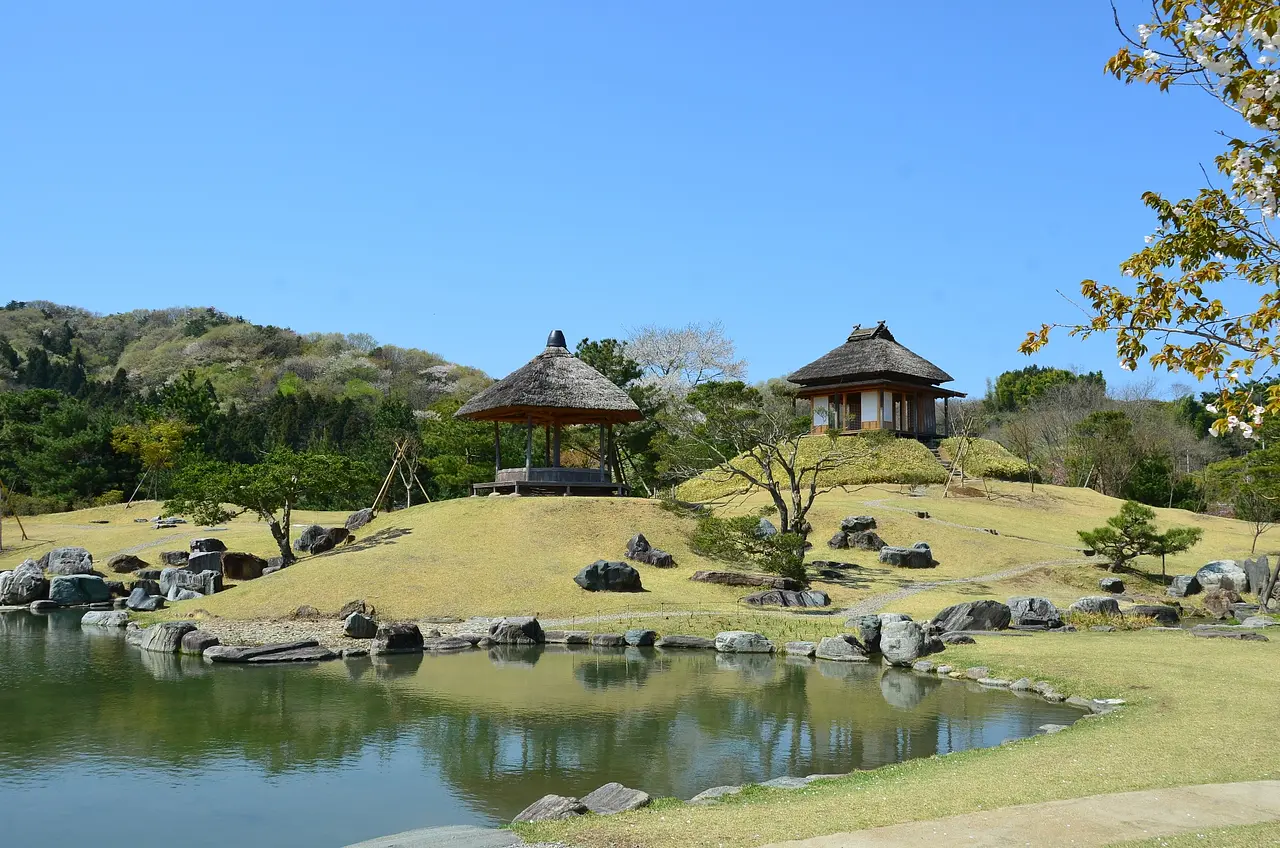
(1090, 822)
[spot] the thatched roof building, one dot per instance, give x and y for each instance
(553, 390)
(871, 382)
(553, 387)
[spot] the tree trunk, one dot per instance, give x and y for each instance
(280, 532)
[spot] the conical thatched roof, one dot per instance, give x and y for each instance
(869, 352)
(555, 386)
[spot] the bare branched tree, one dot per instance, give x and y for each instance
(731, 432)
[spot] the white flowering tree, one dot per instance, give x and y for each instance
(677, 359)
(1214, 252)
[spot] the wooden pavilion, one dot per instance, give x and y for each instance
(555, 389)
(873, 383)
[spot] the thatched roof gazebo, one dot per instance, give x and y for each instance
(555, 389)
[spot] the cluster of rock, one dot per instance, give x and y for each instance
(608, 800)
(857, 531)
(639, 549)
(318, 540)
(169, 637)
(1250, 575)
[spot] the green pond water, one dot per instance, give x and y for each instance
(103, 744)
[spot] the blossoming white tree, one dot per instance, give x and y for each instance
(1213, 249)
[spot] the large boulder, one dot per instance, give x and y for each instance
(238, 565)
(973, 615)
(140, 601)
(684, 642)
(71, 590)
(738, 578)
(165, 637)
(918, 555)
(204, 546)
(866, 540)
(1031, 611)
(1183, 585)
(177, 559)
(902, 642)
(784, 598)
(197, 642)
(551, 808)
(1114, 585)
(174, 580)
(1218, 601)
(360, 626)
(639, 637)
(24, 585)
(765, 529)
(1258, 572)
(357, 606)
(125, 564)
(615, 798)
(742, 642)
(857, 523)
(318, 540)
(358, 519)
(397, 639)
(869, 631)
(1164, 614)
(604, 576)
(204, 561)
(1218, 573)
(1096, 606)
(152, 587)
(67, 561)
(841, 649)
(517, 630)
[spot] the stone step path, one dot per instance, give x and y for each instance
(1094, 821)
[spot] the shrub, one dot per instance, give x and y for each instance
(736, 540)
(1085, 620)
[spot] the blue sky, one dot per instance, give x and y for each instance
(463, 177)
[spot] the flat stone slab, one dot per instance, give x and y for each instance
(446, 837)
(567, 637)
(234, 654)
(551, 808)
(690, 642)
(1218, 634)
(447, 644)
(316, 654)
(715, 793)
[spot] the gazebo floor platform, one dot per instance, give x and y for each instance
(547, 488)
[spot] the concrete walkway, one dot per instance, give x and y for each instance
(1090, 822)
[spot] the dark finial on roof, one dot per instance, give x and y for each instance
(556, 339)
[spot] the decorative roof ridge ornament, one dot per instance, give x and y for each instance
(556, 339)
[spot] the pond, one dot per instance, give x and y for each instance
(101, 743)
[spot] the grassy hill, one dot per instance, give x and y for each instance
(986, 458)
(866, 459)
(494, 556)
(245, 362)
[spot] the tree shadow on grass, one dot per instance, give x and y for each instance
(389, 536)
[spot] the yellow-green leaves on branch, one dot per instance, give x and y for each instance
(1170, 306)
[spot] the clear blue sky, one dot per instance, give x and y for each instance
(463, 177)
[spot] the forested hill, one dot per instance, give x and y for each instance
(93, 407)
(46, 345)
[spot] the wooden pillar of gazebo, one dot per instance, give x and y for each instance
(554, 389)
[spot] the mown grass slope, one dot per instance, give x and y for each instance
(865, 459)
(985, 458)
(494, 556)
